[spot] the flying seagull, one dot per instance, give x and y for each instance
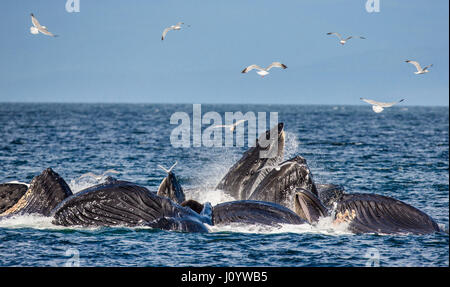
(419, 68)
(36, 28)
(168, 170)
(264, 71)
(99, 177)
(173, 27)
(378, 107)
(232, 126)
(341, 40)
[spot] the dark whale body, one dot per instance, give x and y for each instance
(46, 191)
(369, 213)
(126, 204)
(382, 214)
(278, 186)
(10, 193)
(171, 188)
(253, 212)
(243, 177)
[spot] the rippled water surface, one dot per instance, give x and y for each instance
(402, 152)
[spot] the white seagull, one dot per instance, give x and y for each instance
(378, 107)
(168, 170)
(232, 126)
(173, 27)
(36, 28)
(99, 177)
(264, 71)
(341, 40)
(419, 68)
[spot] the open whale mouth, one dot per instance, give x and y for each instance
(308, 206)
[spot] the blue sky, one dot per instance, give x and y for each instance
(111, 51)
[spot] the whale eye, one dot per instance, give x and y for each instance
(291, 187)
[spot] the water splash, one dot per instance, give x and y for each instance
(79, 184)
(291, 144)
(212, 196)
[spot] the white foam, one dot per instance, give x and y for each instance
(28, 221)
(324, 226)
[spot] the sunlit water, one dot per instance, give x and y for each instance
(401, 153)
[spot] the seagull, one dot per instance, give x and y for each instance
(419, 68)
(232, 126)
(341, 40)
(173, 27)
(261, 71)
(36, 28)
(378, 107)
(168, 170)
(98, 177)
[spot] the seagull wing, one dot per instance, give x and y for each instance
(165, 32)
(348, 38)
(168, 170)
(89, 174)
(239, 122)
(416, 64)
(277, 65)
(387, 105)
(220, 126)
(335, 33)
(251, 67)
(381, 104)
(35, 21)
(372, 102)
(44, 31)
(429, 66)
(110, 171)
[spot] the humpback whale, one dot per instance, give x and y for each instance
(248, 211)
(291, 184)
(124, 203)
(241, 211)
(10, 193)
(279, 184)
(170, 187)
(253, 212)
(266, 192)
(243, 177)
(46, 191)
(367, 213)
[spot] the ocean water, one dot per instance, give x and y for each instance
(402, 152)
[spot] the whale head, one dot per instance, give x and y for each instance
(171, 188)
(308, 206)
(243, 177)
(280, 182)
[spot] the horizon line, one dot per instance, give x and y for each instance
(204, 103)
